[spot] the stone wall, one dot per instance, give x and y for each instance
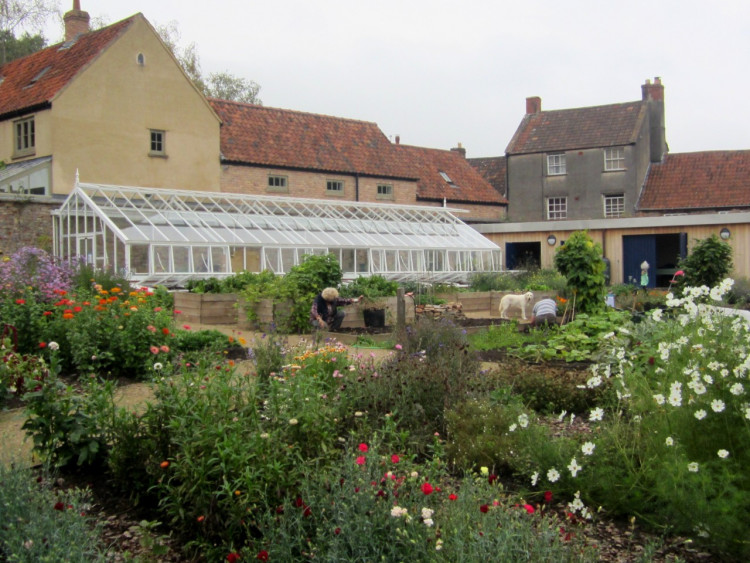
(25, 221)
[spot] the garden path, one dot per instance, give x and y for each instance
(14, 448)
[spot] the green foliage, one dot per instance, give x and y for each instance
(433, 369)
(370, 288)
(87, 279)
(12, 48)
(18, 372)
(66, 424)
(580, 261)
(709, 262)
(269, 353)
(533, 279)
(739, 295)
(40, 524)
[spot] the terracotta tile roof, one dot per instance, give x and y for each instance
(34, 81)
(578, 128)
(493, 170)
(698, 181)
(264, 136)
(466, 184)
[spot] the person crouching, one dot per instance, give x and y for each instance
(324, 312)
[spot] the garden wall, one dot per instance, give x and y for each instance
(229, 309)
(487, 303)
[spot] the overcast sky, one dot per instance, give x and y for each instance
(439, 72)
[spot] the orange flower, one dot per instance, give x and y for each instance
(164, 464)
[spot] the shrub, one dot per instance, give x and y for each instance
(581, 262)
(40, 524)
(709, 262)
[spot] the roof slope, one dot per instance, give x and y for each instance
(578, 128)
(35, 80)
(493, 170)
(698, 180)
(263, 136)
(466, 184)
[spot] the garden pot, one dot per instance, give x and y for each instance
(374, 318)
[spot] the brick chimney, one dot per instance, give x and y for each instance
(460, 150)
(533, 104)
(653, 95)
(76, 21)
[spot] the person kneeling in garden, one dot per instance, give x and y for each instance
(324, 312)
(544, 312)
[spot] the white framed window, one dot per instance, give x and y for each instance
(614, 159)
(24, 131)
(557, 208)
(385, 191)
(158, 143)
(556, 164)
(277, 183)
(614, 205)
(335, 187)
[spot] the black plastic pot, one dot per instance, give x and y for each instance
(374, 318)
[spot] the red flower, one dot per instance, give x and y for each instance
(298, 502)
(547, 496)
(177, 312)
(186, 327)
(651, 361)
(307, 512)
(59, 506)
(201, 519)
(427, 489)
(484, 509)
(361, 460)
(395, 458)
(492, 478)
(47, 313)
(42, 344)
(452, 497)
(20, 301)
(363, 447)
(77, 309)
(165, 331)
(262, 555)
(233, 557)
(337, 531)
(529, 508)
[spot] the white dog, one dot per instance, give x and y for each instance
(512, 300)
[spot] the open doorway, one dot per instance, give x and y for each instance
(522, 255)
(662, 252)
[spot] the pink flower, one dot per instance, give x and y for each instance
(399, 347)
(164, 348)
(151, 328)
(363, 447)
(427, 488)
(547, 496)
(154, 349)
(186, 327)
(529, 508)
(395, 458)
(361, 460)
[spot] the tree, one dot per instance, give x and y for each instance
(218, 84)
(14, 48)
(16, 15)
(582, 263)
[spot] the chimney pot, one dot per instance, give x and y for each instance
(398, 139)
(533, 104)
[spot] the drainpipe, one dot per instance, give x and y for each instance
(356, 186)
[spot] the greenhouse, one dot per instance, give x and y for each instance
(166, 237)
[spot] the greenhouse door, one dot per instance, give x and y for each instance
(85, 248)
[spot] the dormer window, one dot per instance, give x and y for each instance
(556, 164)
(25, 137)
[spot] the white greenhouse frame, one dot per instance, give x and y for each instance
(166, 237)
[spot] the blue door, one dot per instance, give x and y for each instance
(636, 249)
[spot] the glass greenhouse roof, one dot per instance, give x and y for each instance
(146, 231)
